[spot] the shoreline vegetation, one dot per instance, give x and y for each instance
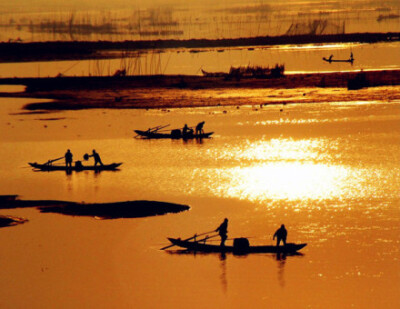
(82, 50)
(124, 91)
(116, 210)
(177, 91)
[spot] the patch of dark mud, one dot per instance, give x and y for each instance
(11, 221)
(79, 50)
(128, 209)
(50, 119)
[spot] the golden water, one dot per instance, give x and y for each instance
(328, 171)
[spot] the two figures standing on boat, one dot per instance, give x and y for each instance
(189, 131)
(69, 156)
(330, 59)
(280, 234)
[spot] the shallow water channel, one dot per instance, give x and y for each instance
(329, 172)
(305, 58)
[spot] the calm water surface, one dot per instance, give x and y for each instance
(328, 171)
(296, 58)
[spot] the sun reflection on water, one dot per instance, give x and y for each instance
(284, 180)
(279, 150)
(285, 169)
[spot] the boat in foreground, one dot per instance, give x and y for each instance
(240, 246)
(76, 167)
(173, 135)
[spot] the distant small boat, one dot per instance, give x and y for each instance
(241, 246)
(330, 60)
(77, 168)
(174, 134)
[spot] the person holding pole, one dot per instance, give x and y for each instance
(223, 231)
(68, 159)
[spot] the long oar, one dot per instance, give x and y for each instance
(232, 238)
(158, 128)
(153, 130)
(206, 238)
(195, 235)
(51, 161)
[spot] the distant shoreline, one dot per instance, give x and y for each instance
(177, 91)
(81, 50)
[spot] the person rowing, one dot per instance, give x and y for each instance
(186, 130)
(223, 231)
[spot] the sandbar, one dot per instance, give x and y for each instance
(115, 210)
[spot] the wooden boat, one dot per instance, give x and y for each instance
(330, 60)
(174, 134)
(76, 167)
(241, 246)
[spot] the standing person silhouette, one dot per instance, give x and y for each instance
(199, 128)
(223, 231)
(68, 159)
(96, 158)
(281, 234)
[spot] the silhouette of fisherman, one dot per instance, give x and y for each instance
(280, 234)
(186, 130)
(223, 231)
(199, 128)
(96, 158)
(68, 158)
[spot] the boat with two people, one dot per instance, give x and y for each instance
(240, 246)
(160, 132)
(77, 166)
(330, 59)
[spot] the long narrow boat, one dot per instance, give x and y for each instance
(289, 248)
(351, 60)
(172, 135)
(49, 168)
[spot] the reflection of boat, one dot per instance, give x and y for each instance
(240, 246)
(76, 167)
(174, 134)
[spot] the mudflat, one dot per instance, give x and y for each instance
(73, 50)
(176, 91)
(127, 209)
